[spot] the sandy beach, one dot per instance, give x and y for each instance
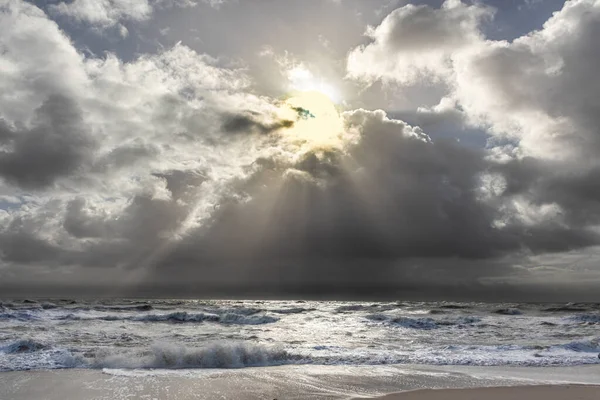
(550, 392)
(306, 382)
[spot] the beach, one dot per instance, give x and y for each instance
(255, 350)
(306, 382)
(554, 392)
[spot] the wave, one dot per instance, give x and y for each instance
(416, 323)
(18, 315)
(586, 318)
(139, 307)
(227, 318)
(180, 317)
(366, 307)
(566, 309)
(377, 317)
(467, 320)
(352, 307)
(294, 310)
(217, 355)
(423, 323)
(22, 346)
(588, 346)
(246, 320)
(30, 354)
(508, 311)
(239, 310)
(454, 306)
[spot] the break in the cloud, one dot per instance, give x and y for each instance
(176, 167)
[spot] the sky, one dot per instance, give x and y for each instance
(338, 148)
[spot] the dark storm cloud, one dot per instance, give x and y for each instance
(395, 197)
(58, 145)
(21, 241)
(23, 247)
(576, 189)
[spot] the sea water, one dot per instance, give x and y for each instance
(182, 335)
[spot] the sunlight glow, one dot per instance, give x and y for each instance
(302, 80)
(318, 122)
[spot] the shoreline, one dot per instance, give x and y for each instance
(529, 392)
(301, 382)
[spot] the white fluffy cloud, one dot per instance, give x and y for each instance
(104, 13)
(539, 90)
(416, 42)
(108, 13)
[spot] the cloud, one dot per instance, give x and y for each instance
(416, 42)
(249, 123)
(57, 145)
(29, 40)
(171, 167)
(538, 90)
(141, 141)
(104, 13)
(396, 199)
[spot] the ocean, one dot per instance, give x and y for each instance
(121, 336)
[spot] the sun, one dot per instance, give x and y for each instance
(318, 123)
(302, 80)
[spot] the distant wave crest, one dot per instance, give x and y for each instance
(181, 317)
(423, 323)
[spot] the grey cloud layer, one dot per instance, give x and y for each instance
(58, 144)
(173, 166)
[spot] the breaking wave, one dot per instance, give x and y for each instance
(22, 346)
(588, 346)
(181, 316)
(218, 355)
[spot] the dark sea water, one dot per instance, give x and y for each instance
(194, 334)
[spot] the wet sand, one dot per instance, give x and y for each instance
(295, 382)
(565, 392)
